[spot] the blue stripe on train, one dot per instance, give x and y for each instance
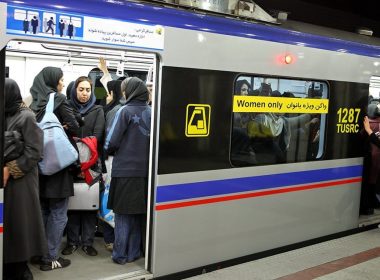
(145, 14)
(1, 213)
(230, 186)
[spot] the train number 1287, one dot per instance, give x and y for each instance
(348, 120)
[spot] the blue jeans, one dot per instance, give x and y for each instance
(85, 220)
(127, 246)
(54, 212)
(108, 233)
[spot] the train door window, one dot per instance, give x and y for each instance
(96, 74)
(268, 130)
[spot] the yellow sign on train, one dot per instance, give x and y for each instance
(198, 120)
(265, 104)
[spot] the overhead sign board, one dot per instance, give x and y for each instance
(34, 22)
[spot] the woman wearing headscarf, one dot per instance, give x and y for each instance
(55, 189)
(83, 223)
(115, 100)
(243, 87)
(129, 137)
(24, 235)
(241, 151)
(371, 164)
(114, 89)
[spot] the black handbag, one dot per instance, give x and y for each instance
(13, 145)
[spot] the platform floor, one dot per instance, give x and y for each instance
(84, 267)
(353, 257)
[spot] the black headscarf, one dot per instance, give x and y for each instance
(135, 89)
(45, 83)
(68, 90)
(373, 111)
(115, 87)
(82, 108)
(12, 98)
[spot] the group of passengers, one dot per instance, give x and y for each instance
(36, 206)
(259, 136)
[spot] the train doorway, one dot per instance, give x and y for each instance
(23, 61)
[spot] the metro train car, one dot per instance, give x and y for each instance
(255, 135)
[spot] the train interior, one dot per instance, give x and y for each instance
(24, 60)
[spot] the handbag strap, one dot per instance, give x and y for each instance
(50, 105)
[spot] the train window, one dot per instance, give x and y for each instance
(272, 130)
(96, 74)
(374, 89)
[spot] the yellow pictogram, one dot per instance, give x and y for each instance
(198, 120)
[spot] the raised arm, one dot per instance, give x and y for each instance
(374, 137)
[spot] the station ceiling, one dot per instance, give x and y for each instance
(341, 14)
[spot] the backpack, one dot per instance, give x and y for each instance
(58, 152)
(89, 159)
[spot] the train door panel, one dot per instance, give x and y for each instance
(348, 106)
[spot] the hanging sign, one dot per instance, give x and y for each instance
(34, 22)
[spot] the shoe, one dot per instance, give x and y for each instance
(133, 260)
(60, 263)
(118, 261)
(89, 250)
(69, 249)
(109, 246)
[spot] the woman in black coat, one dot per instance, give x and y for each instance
(24, 234)
(83, 101)
(55, 189)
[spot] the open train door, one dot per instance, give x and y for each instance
(28, 52)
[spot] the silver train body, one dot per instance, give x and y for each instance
(203, 209)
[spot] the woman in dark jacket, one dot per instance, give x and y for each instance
(55, 189)
(129, 137)
(24, 234)
(83, 100)
(371, 164)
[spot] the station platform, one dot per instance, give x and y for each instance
(353, 257)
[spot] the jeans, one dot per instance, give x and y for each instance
(108, 233)
(85, 220)
(127, 246)
(54, 212)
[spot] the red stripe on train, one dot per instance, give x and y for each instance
(255, 194)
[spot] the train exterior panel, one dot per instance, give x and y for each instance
(204, 208)
(231, 213)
